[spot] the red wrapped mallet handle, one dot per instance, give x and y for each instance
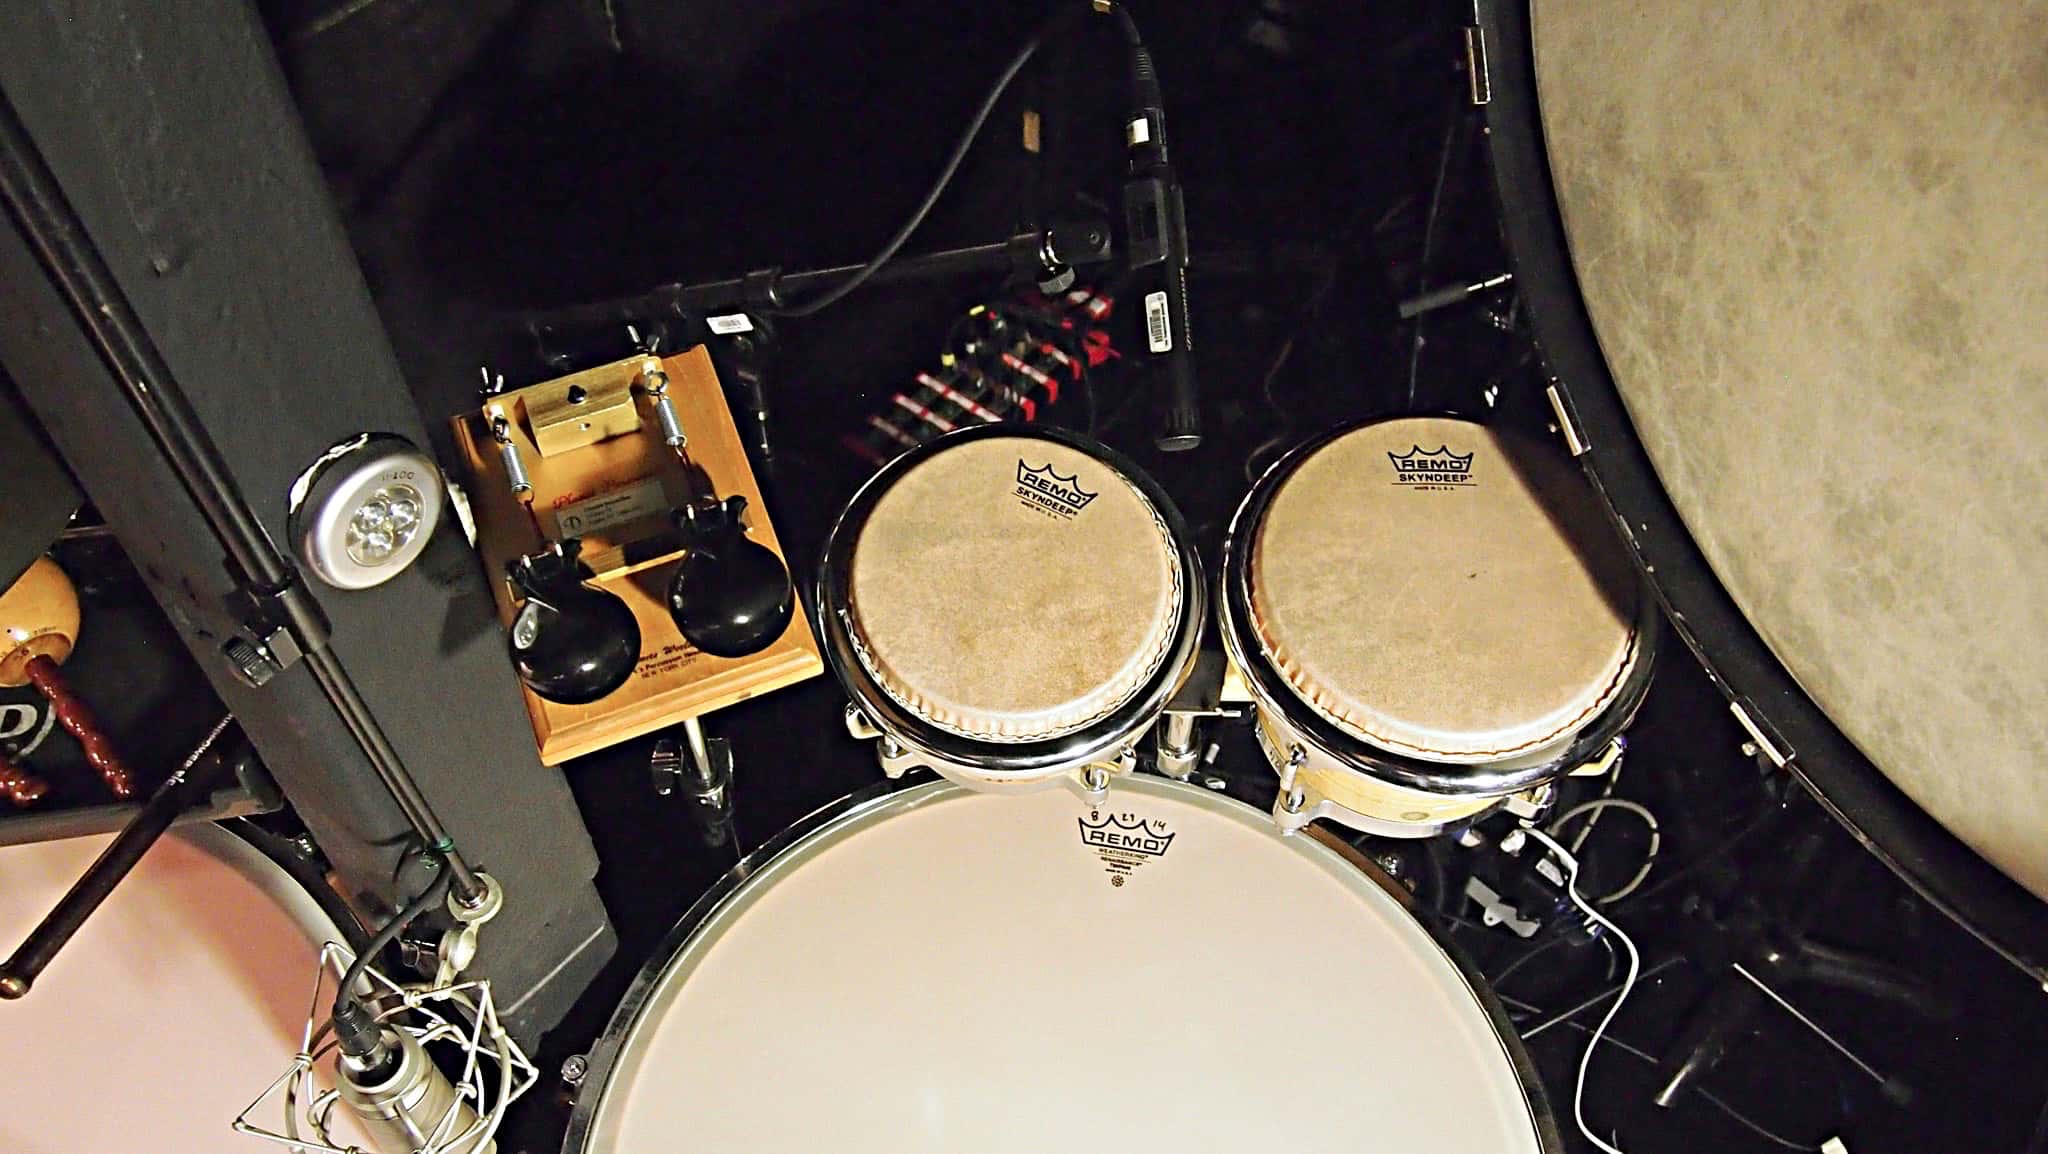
(38, 626)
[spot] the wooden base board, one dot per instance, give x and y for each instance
(673, 681)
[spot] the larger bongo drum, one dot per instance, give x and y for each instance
(1432, 616)
(935, 968)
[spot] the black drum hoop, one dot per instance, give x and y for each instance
(1934, 862)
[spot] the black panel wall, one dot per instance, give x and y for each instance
(171, 132)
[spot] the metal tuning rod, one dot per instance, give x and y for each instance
(653, 384)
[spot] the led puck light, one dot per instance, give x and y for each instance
(365, 510)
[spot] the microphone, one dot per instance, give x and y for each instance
(1156, 241)
(404, 1101)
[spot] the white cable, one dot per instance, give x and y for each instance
(1635, 966)
(1596, 807)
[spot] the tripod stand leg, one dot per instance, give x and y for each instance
(1721, 1017)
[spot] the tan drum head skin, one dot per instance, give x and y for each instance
(950, 971)
(1443, 591)
(1013, 589)
(1809, 238)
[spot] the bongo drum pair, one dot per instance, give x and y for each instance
(1430, 616)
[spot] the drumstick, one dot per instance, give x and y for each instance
(38, 627)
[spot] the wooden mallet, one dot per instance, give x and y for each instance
(38, 627)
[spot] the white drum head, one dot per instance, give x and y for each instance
(177, 1003)
(946, 970)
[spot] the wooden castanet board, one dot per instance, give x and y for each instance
(673, 681)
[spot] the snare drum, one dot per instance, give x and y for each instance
(934, 968)
(1011, 607)
(1432, 617)
(177, 1002)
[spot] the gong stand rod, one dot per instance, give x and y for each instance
(1079, 242)
(275, 600)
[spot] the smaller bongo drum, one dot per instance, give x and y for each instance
(1010, 607)
(1432, 617)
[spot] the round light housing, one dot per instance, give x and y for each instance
(366, 510)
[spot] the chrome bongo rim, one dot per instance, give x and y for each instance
(1271, 693)
(760, 868)
(1098, 741)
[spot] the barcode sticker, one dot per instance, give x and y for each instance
(1158, 328)
(729, 324)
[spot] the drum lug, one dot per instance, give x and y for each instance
(1494, 910)
(1477, 75)
(1531, 803)
(859, 726)
(1600, 765)
(1767, 742)
(1568, 428)
(575, 1068)
(1293, 808)
(1090, 783)
(897, 759)
(1292, 811)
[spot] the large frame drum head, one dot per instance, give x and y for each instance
(1783, 262)
(179, 1000)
